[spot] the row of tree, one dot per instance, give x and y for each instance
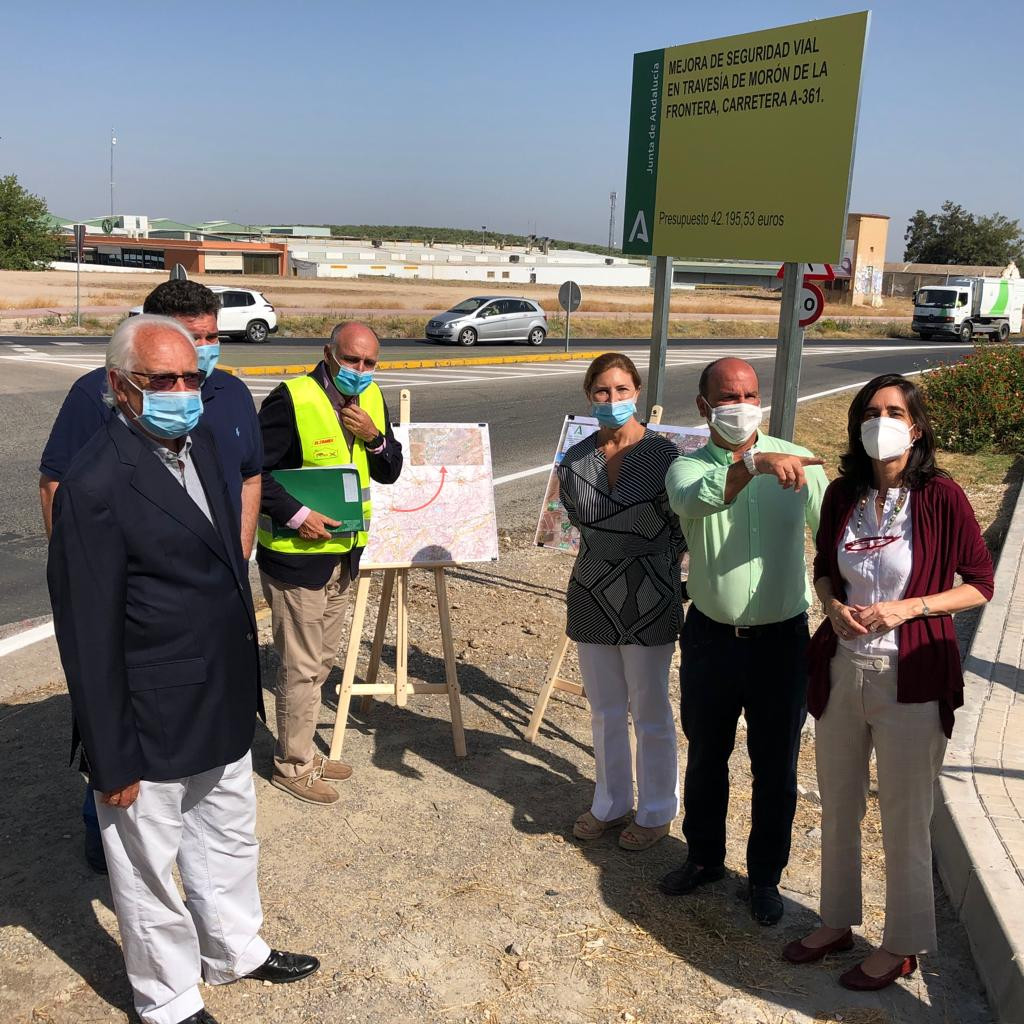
(954, 236)
(27, 238)
(454, 236)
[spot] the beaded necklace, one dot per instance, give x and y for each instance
(894, 512)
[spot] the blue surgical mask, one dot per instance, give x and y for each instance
(613, 414)
(168, 414)
(351, 382)
(208, 356)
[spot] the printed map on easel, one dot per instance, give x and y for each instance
(554, 529)
(440, 511)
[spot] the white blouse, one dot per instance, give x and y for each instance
(878, 575)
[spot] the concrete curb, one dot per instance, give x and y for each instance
(282, 370)
(976, 869)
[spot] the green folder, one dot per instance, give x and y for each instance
(333, 491)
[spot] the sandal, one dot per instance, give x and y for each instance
(587, 826)
(640, 837)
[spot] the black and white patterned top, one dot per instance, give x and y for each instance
(625, 586)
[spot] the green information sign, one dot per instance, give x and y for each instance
(742, 147)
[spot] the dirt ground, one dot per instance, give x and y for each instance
(441, 889)
(56, 290)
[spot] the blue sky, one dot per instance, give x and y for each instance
(463, 114)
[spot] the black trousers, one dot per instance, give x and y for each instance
(764, 675)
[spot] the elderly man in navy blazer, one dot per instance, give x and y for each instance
(155, 625)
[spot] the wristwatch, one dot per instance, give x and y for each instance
(748, 461)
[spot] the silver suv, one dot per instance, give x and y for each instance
(490, 318)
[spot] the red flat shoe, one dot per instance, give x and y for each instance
(858, 981)
(797, 953)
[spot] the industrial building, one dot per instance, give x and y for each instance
(138, 242)
(510, 264)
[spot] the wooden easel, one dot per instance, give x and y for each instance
(396, 584)
(552, 680)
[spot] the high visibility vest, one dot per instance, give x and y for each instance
(323, 444)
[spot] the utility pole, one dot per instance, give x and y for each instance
(113, 143)
(611, 223)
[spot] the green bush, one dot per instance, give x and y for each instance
(979, 402)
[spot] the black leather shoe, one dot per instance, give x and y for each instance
(202, 1017)
(689, 877)
(282, 967)
(766, 906)
(94, 855)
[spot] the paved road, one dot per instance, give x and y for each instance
(298, 350)
(524, 404)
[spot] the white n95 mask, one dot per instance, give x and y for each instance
(885, 437)
(735, 423)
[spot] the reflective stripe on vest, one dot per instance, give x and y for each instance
(323, 444)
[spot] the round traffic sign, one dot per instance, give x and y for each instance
(570, 296)
(812, 303)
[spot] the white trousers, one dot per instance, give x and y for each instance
(863, 712)
(620, 681)
(207, 825)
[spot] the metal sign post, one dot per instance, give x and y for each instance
(786, 381)
(79, 249)
(569, 298)
(659, 332)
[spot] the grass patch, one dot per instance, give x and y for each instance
(584, 326)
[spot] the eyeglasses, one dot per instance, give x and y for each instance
(193, 380)
(869, 543)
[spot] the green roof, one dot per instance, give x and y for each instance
(226, 227)
(165, 224)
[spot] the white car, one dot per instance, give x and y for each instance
(243, 314)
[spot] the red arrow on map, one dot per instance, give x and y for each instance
(430, 500)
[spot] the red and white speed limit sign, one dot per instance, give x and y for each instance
(812, 303)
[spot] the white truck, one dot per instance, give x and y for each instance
(966, 306)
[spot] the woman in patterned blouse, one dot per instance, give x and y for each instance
(624, 605)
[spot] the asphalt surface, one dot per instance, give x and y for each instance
(524, 404)
(297, 350)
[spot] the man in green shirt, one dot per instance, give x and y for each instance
(744, 502)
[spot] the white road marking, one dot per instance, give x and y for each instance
(23, 639)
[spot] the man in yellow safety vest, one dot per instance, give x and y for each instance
(335, 415)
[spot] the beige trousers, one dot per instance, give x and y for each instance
(862, 712)
(308, 627)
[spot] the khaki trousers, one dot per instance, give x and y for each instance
(308, 626)
(862, 713)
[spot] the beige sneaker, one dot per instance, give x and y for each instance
(309, 787)
(332, 771)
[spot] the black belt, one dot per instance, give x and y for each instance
(751, 632)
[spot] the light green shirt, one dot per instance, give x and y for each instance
(747, 565)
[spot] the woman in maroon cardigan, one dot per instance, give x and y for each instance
(885, 668)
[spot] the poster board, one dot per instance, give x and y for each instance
(553, 528)
(440, 511)
(742, 147)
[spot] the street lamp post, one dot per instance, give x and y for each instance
(483, 228)
(113, 143)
